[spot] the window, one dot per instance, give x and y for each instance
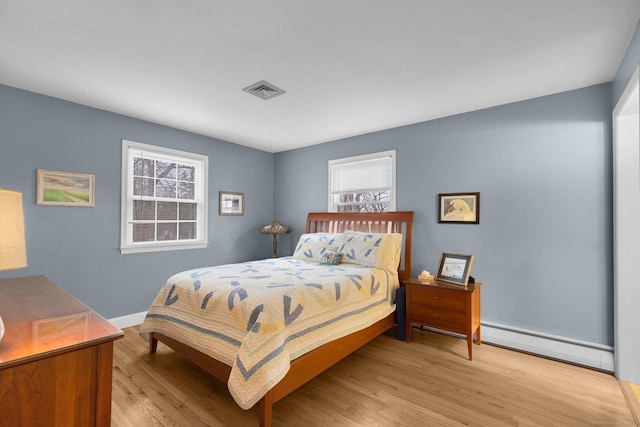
(164, 199)
(363, 183)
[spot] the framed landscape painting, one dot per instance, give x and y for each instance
(59, 188)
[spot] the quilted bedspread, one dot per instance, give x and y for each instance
(258, 316)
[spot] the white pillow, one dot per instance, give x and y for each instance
(312, 246)
(380, 250)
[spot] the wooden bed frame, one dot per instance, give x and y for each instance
(311, 364)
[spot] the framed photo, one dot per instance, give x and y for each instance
(231, 203)
(454, 268)
(460, 208)
(59, 188)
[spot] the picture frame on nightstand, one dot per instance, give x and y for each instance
(454, 268)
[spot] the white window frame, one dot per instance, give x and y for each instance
(332, 207)
(201, 163)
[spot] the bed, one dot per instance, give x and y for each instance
(266, 327)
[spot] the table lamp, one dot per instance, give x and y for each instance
(274, 228)
(13, 250)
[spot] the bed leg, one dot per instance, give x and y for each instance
(265, 408)
(153, 344)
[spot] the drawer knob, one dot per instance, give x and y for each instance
(436, 297)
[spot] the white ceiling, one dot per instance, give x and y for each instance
(348, 66)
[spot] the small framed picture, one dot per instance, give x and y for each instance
(65, 188)
(454, 268)
(231, 203)
(460, 208)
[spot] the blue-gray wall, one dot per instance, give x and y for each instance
(543, 247)
(543, 167)
(77, 247)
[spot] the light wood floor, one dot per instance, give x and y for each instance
(429, 382)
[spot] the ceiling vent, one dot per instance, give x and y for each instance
(264, 90)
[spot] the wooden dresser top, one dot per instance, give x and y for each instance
(41, 319)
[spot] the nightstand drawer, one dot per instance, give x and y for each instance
(439, 298)
(455, 321)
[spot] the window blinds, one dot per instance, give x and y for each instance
(362, 175)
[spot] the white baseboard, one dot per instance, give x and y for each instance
(578, 352)
(129, 320)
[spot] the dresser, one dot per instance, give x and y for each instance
(56, 357)
(444, 306)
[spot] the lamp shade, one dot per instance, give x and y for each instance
(275, 228)
(13, 250)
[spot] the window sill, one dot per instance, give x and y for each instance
(155, 247)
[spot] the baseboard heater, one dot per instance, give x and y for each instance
(583, 353)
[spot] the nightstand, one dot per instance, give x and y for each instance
(444, 306)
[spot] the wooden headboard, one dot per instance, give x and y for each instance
(368, 222)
